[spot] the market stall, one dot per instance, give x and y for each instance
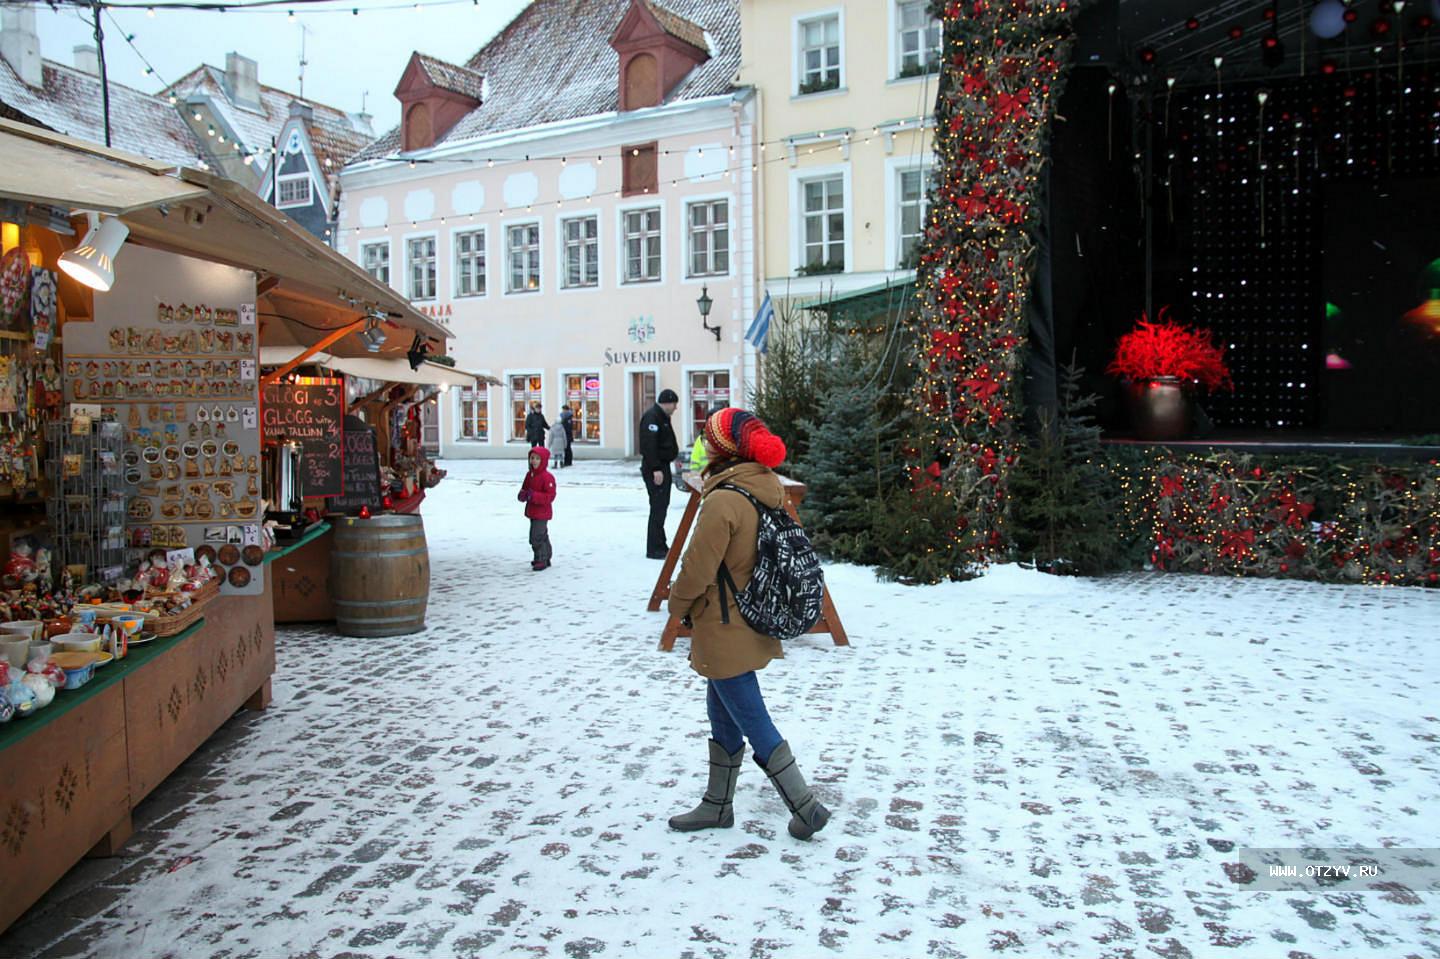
(137, 595)
(383, 467)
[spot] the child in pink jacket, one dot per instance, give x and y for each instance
(537, 492)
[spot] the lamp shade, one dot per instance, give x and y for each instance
(93, 261)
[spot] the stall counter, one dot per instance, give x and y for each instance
(71, 774)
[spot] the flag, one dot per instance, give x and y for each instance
(760, 326)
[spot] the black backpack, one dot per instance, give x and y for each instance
(783, 598)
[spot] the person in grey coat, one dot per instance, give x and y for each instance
(567, 419)
(556, 442)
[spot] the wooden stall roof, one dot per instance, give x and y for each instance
(386, 369)
(194, 213)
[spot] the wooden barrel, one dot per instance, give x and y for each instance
(379, 575)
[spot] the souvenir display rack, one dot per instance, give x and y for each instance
(86, 504)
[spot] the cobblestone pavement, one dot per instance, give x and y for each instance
(1019, 766)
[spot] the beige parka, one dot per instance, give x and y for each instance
(726, 529)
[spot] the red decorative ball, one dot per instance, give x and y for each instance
(1351, 15)
(1380, 27)
(1192, 24)
(1284, 567)
(1237, 32)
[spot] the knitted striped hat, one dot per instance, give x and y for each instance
(741, 435)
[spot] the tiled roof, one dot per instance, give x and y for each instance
(554, 62)
(676, 25)
(447, 76)
(70, 104)
(331, 131)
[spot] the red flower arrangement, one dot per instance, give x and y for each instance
(1167, 348)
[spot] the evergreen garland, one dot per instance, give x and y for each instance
(1002, 65)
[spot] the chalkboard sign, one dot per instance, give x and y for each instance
(361, 469)
(311, 411)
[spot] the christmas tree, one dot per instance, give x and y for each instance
(1062, 502)
(852, 457)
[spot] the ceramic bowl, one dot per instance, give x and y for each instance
(29, 628)
(131, 624)
(77, 643)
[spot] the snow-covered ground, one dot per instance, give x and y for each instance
(1019, 765)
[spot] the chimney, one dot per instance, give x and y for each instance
(242, 80)
(361, 122)
(87, 59)
(303, 111)
(20, 45)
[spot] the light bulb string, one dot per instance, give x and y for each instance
(724, 172)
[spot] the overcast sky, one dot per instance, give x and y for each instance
(346, 55)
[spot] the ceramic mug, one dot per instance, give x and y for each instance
(15, 649)
(40, 651)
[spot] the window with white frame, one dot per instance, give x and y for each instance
(917, 38)
(823, 242)
(420, 264)
(910, 215)
(709, 226)
(375, 260)
(525, 388)
(708, 389)
(474, 414)
(582, 395)
(470, 263)
(642, 245)
(582, 251)
(819, 54)
(522, 253)
(293, 190)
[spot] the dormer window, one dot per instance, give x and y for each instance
(658, 48)
(641, 82)
(419, 131)
(434, 96)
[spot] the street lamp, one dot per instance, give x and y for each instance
(704, 303)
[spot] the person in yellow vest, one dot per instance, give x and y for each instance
(699, 458)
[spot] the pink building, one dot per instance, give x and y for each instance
(561, 202)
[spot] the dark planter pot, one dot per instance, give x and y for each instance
(1160, 408)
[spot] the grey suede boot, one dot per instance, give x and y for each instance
(717, 808)
(809, 816)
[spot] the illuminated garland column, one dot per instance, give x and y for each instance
(1002, 64)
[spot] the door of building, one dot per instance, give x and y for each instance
(642, 396)
(430, 426)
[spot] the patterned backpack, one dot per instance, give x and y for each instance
(784, 595)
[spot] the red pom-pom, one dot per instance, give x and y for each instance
(767, 449)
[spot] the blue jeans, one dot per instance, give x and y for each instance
(737, 709)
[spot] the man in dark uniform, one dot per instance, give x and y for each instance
(658, 449)
(535, 425)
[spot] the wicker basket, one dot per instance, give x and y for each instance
(207, 592)
(163, 626)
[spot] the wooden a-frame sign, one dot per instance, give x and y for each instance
(829, 621)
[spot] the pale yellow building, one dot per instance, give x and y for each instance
(846, 94)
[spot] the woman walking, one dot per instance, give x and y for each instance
(742, 453)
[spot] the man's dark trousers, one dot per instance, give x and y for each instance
(659, 504)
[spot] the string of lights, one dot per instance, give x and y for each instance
(286, 7)
(727, 172)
